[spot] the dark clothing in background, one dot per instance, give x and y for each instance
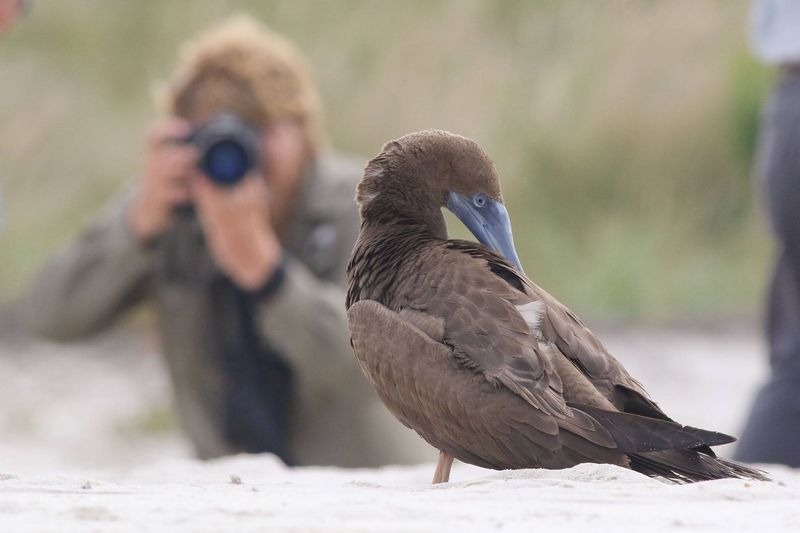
(259, 384)
(772, 432)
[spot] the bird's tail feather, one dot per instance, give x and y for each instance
(637, 433)
(688, 466)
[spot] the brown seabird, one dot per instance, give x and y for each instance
(481, 362)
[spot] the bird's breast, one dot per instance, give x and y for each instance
(381, 267)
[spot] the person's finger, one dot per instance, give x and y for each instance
(178, 195)
(182, 158)
(168, 131)
(254, 183)
(170, 126)
(167, 154)
(174, 166)
(179, 182)
(251, 190)
(203, 193)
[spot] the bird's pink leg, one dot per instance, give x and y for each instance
(442, 473)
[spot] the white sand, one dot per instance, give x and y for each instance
(72, 458)
(190, 496)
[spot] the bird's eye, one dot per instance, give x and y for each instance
(479, 200)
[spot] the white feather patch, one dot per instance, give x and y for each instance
(532, 313)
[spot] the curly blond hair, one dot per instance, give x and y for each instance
(241, 67)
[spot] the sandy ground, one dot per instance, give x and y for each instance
(257, 494)
(87, 444)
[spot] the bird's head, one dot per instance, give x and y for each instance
(419, 173)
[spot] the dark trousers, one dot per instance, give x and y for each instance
(772, 431)
(256, 413)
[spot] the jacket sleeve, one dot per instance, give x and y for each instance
(91, 282)
(305, 320)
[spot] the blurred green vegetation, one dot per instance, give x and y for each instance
(623, 129)
(154, 419)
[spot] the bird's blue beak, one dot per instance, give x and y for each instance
(489, 222)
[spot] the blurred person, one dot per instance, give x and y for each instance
(772, 431)
(246, 279)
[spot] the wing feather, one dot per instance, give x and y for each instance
(457, 409)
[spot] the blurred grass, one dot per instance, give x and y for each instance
(623, 129)
(154, 419)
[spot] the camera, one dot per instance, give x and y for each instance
(229, 148)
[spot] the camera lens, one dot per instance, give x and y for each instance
(229, 148)
(226, 162)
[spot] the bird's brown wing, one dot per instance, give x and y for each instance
(500, 324)
(559, 326)
(484, 327)
(576, 342)
(455, 408)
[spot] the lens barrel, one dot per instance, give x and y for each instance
(229, 148)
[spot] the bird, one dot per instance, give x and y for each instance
(463, 348)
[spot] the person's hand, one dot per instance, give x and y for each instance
(237, 226)
(165, 183)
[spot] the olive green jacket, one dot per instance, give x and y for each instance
(337, 419)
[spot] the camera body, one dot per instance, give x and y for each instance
(229, 148)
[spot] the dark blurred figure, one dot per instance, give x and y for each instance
(246, 277)
(772, 432)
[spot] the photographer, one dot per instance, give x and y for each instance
(245, 274)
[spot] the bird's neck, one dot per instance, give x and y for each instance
(387, 242)
(390, 218)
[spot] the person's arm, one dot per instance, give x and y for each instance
(304, 318)
(298, 312)
(91, 282)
